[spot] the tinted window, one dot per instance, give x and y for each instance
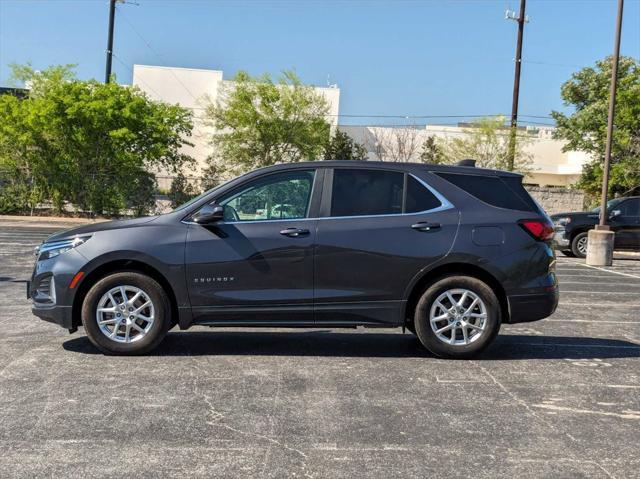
(276, 197)
(630, 208)
(492, 190)
(366, 192)
(419, 198)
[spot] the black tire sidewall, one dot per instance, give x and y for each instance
(574, 244)
(428, 337)
(162, 313)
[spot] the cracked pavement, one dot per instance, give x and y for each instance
(555, 398)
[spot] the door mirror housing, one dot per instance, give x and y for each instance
(208, 214)
(614, 213)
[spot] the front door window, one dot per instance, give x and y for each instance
(281, 196)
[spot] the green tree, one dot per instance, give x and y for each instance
(343, 147)
(181, 190)
(586, 128)
(432, 152)
(87, 143)
(487, 142)
(260, 122)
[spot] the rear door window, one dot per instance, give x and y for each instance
(419, 198)
(361, 192)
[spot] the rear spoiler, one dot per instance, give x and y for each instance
(467, 162)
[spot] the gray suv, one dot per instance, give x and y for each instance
(448, 253)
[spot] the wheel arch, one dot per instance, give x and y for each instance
(578, 230)
(449, 269)
(114, 266)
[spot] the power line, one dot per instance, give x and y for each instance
(122, 62)
(148, 45)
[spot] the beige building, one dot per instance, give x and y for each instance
(551, 166)
(194, 88)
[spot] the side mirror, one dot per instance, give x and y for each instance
(614, 213)
(208, 214)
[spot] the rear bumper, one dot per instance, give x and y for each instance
(532, 307)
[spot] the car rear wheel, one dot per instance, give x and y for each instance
(457, 317)
(126, 313)
(579, 244)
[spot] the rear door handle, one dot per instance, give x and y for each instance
(424, 226)
(294, 232)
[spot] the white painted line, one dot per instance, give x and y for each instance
(589, 321)
(609, 271)
(569, 345)
(608, 305)
(590, 283)
(632, 293)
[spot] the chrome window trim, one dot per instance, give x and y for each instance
(445, 204)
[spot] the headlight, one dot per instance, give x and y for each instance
(55, 248)
(562, 221)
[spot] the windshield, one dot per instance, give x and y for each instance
(610, 205)
(199, 197)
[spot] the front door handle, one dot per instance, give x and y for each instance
(424, 226)
(294, 232)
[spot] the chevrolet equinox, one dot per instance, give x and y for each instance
(448, 253)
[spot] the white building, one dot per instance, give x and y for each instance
(194, 88)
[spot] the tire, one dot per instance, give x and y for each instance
(485, 317)
(143, 323)
(568, 252)
(576, 245)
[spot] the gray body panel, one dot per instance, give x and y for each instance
(346, 271)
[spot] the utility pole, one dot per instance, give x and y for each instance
(112, 14)
(600, 240)
(612, 110)
(521, 19)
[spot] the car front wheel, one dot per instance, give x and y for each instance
(457, 317)
(126, 313)
(579, 244)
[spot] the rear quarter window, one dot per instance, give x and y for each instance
(494, 191)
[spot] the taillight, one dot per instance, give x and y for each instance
(540, 230)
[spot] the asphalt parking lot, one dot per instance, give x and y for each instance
(556, 398)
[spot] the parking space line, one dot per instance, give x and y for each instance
(571, 345)
(609, 271)
(590, 283)
(599, 292)
(608, 305)
(590, 321)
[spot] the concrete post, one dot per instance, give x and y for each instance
(600, 247)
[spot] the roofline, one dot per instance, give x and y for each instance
(177, 68)
(467, 170)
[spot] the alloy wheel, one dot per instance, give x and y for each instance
(458, 317)
(125, 314)
(582, 245)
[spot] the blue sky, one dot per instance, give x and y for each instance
(392, 57)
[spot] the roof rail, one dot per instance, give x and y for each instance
(467, 162)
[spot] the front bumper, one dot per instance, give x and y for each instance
(559, 239)
(49, 291)
(525, 308)
(60, 315)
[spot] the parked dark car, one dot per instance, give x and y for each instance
(448, 253)
(623, 216)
